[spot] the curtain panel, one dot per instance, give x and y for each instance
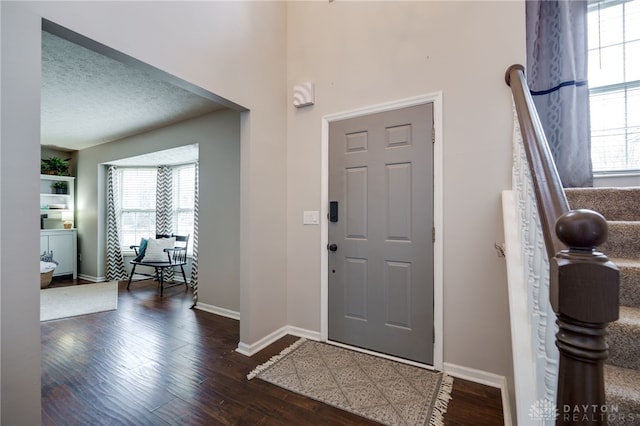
(164, 200)
(194, 259)
(164, 206)
(115, 270)
(557, 76)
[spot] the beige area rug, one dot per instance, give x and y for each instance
(64, 302)
(379, 389)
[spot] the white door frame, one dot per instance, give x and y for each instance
(438, 179)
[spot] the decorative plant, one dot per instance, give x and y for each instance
(60, 187)
(55, 166)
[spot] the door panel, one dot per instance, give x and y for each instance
(381, 275)
(61, 245)
(356, 202)
(397, 284)
(398, 197)
(355, 294)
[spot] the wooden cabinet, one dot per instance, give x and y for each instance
(63, 244)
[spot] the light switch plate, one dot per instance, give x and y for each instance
(311, 217)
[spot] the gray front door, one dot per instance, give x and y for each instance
(381, 242)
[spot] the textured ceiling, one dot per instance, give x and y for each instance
(89, 99)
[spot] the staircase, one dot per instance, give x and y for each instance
(621, 208)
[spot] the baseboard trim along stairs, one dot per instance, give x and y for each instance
(621, 208)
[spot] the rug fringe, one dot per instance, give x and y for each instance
(275, 358)
(442, 400)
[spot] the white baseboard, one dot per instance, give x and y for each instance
(223, 312)
(252, 349)
(302, 332)
(484, 378)
(91, 278)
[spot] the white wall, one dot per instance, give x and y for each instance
(234, 49)
(365, 53)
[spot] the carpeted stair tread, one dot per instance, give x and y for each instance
(622, 387)
(629, 281)
(612, 203)
(623, 240)
(621, 208)
(624, 339)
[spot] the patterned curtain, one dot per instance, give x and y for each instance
(164, 200)
(115, 262)
(557, 77)
(194, 260)
(164, 205)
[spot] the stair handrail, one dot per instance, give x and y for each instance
(549, 193)
(583, 283)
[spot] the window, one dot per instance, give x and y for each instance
(138, 203)
(614, 84)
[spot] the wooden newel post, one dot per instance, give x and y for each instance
(584, 288)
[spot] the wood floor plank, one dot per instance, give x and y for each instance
(155, 361)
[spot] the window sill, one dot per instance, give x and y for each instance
(618, 179)
(621, 173)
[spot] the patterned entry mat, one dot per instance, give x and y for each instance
(379, 389)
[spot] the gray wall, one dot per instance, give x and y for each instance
(218, 136)
(19, 213)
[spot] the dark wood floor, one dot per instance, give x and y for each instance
(154, 361)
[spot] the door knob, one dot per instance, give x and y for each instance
(332, 247)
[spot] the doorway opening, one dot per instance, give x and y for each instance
(119, 98)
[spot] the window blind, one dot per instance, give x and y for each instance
(137, 205)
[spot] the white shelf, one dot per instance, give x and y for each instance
(48, 198)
